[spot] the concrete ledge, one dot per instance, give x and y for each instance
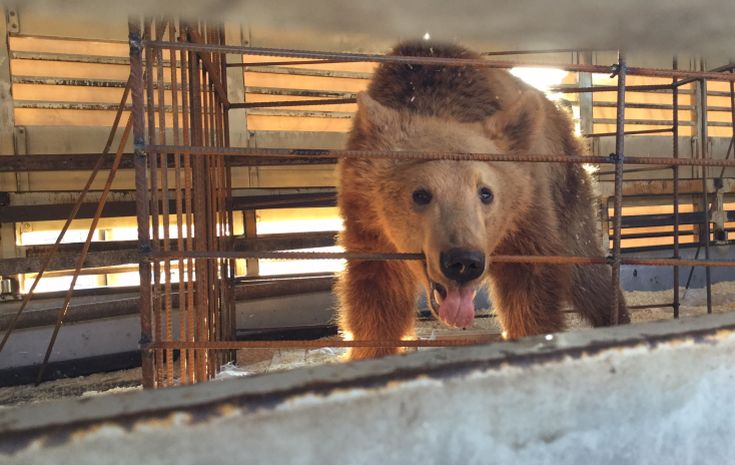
(650, 393)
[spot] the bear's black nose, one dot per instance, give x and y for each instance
(462, 265)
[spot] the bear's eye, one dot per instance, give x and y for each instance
(421, 197)
(486, 195)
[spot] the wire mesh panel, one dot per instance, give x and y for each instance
(185, 224)
(179, 98)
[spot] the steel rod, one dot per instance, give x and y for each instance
(315, 344)
(619, 158)
(703, 139)
(80, 262)
(675, 148)
(436, 61)
(415, 155)
(378, 256)
(142, 198)
(100, 160)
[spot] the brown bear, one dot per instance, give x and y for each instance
(458, 213)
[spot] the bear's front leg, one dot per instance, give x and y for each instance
(527, 298)
(377, 302)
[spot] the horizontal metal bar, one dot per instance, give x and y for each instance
(41, 105)
(645, 106)
(571, 88)
(20, 213)
(720, 69)
(284, 63)
(635, 170)
(530, 259)
(81, 82)
(435, 61)
(643, 307)
(86, 161)
(414, 155)
(11, 266)
(653, 235)
(666, 219)
(302, 113)
(629, 133)
(289, 103)
(299, 92)
(60, 81)
(321, 343)
(645, 122)
(308, 72)
(285, 241)
(71, 58)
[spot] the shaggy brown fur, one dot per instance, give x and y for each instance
(536, 208)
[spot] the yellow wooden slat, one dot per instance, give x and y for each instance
(354, 67)
(68, 46)
(22, 67)
(290, 123)
(56, 93)
(287, 81)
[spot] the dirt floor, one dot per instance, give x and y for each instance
(250, 362)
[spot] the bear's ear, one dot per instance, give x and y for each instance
(372, 116)
(518, 122)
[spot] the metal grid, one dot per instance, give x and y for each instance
(201, 190)
(617, 159)
(180, 128)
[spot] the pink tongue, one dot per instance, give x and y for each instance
(458, 308)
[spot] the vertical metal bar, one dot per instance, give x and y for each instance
(703, 141)
(141, 199)
(675, 129)
(200, 217)
(153, 167)
(167, 291)
(178, 186)
(231, 325)
(619, 157)
(188, 208)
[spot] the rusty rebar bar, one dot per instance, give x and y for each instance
(141, 198)
(293, 103)
(703, 138)
(383, 256)
(416, 156)
(80, 262)
(628, 133)
(434, 61)
(52, 252)
(316, 344)
(675, 168)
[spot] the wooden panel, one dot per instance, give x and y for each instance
(355, 67)
(68, 46)
(23, 67)
(55, 93)
(287, 81)
(289, 123)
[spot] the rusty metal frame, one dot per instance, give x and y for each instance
(200, 152)
(199, 160)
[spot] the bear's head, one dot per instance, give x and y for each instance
(454, 212)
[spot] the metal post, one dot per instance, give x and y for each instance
(705, 197)
(675, 129)
(619, 158)
(142, 206)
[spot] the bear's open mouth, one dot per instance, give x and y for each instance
(455, 306)
(436, 296)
